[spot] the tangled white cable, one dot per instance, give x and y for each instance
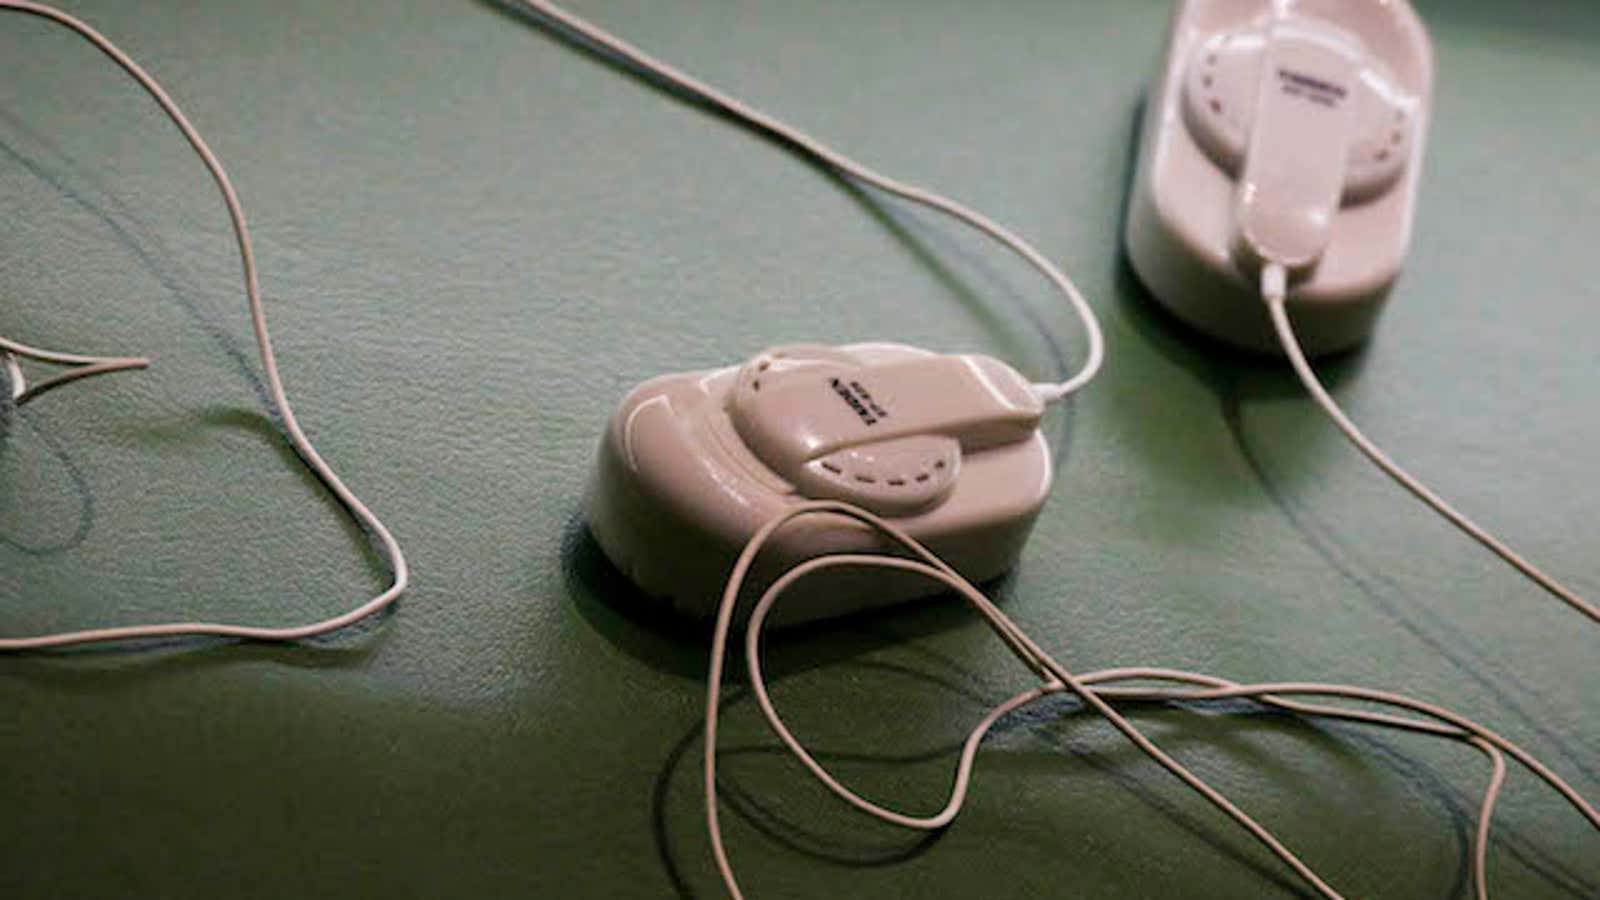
(1087, 688)
(297, 438)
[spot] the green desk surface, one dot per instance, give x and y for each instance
(476, 238)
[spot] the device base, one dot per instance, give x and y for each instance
(1223, 305)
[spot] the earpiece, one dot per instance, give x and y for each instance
(1288, 133)
(691, 465)
(1294, 172)
(887, 436)
(1235, 74)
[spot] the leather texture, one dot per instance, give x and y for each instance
(476, 237)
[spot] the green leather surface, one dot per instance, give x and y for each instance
(476, 237)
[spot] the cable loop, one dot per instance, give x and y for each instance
(1099, 691)
(324, 473)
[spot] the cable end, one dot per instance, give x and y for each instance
(1049, 394)
(1274, 282)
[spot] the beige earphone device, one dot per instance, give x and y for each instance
(693, 464)
(1282, 132)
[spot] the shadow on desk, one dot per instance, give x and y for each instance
(127, 665)
(20, 426)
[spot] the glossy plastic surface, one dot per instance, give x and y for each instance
(1239, 155)
(692, 464)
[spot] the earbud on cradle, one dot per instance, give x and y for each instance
(1284, 132)
(693, 464)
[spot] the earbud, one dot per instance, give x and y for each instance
(888, 436)
(1305, 120)
(1287, 134)
(947, 446)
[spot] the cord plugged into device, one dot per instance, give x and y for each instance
(693, 464)
(1283, 142)
(1289, 129)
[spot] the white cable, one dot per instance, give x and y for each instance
(81, 367)
(1274, 291)
(821, 152)
(297, 438)
(1439, 721)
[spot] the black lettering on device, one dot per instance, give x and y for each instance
(859, 399)
(1317, 90)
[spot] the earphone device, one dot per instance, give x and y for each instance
(692, 464)
(1276, 187)
(1282, 132)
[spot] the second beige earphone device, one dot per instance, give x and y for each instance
(1277, 184)
(1286, 132)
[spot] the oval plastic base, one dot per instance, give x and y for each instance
(675, 497)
